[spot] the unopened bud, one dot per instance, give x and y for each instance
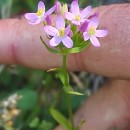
(49, 20)
(64, 9)
(76, 1)
(58, 8)
(84, 26)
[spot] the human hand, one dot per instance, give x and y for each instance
(20, 44)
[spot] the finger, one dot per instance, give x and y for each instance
(106, 109)
(20, 44)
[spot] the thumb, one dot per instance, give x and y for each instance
(106, 109)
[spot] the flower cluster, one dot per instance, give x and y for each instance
(68, 24)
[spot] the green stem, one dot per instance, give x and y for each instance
(68, 98)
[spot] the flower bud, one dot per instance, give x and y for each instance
(58, 8)
(84, 26)
(64, 9)
(70, 33)
(49, 20)
(76, 1)
(93, 16)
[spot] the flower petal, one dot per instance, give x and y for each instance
(41, 5)
(85, 12)
(86, 36)
(31, 16)
(70, 33)
(55, 41)
(95, 22)
(67, 41)
(33, 22)
(50, 11)
(67, 30)
(94, 41)
(69, 16)
(60, 22)
(75, 8)
(101, 33)
(94, 15)
(76, 22)
(50, 30)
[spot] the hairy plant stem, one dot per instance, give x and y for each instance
(68, 96)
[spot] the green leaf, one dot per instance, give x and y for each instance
(48, 48)
(78, 40)
(73, 28)
(75, 93)
(78, 49)
(61, 76)
(60, 119)
(68, 89)
(53, 69)
(34, 123)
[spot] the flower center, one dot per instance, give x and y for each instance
(61, 32)
(40, 12)
(91, 31)
(77, 17)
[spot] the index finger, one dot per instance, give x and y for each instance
(20, 44)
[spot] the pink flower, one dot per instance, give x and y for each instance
(40, 15)
(60, 33)
(76, 16)
(92, 33)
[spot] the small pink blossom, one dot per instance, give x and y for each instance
(92, 33)
(60, 33)
(40, 15)
(76, 16)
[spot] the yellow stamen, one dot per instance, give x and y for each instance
(44, 23)
(40, 12)
(61, 32)
(91, 31)
(77, 17)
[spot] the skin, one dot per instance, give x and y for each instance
(110, 106)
